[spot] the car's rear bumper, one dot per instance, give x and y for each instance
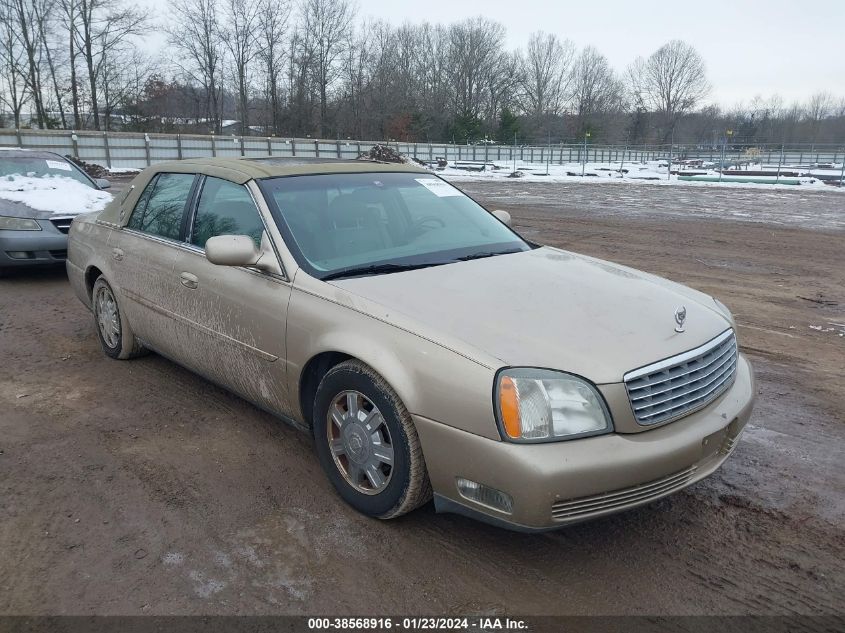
(560, 483)
(33, 248)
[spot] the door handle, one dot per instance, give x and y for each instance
(117, 254)
(189, 281)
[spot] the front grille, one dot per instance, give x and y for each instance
(63, 224)
(682, 384)
(59, 254)
(585, 506)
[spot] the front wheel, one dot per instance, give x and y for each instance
(113, 330)
(367, 443)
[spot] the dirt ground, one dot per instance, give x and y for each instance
(139, 488)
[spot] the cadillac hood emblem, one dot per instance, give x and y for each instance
(680, 317)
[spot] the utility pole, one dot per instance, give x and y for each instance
(724, 150)
(584, 161)
(624, 151)
(671, 147)
(842, 173)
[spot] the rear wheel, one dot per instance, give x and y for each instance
(116, 337)
(367, 443)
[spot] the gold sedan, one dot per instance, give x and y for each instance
(429, 348)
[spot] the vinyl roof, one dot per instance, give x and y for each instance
(244, 169)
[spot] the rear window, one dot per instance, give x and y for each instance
(161, 207)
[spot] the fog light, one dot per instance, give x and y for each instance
(20, 254)
(485, 495)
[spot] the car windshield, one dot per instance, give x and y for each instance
(377, 222)
(41, 167)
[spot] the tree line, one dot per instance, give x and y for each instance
(312, 68)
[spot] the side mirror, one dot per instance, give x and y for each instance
(232, 250)
(102, 183)
(504, 216)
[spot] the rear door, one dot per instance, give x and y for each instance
(144, 253)
(234, 317)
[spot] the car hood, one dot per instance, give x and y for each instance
(21, 210)
(43, 198)
(547, 308)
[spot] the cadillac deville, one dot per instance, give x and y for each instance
(429, 349)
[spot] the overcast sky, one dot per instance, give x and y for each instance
(752, 47)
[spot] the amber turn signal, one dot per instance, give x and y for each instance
(509, 406)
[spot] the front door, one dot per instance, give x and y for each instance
(233, 318)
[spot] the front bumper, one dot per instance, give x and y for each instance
(33, 248)
(560, 483)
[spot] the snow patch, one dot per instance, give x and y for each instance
(57, 194)
(641, 173)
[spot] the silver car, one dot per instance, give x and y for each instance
(429, 349)
(40, 194)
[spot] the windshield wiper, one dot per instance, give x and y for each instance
(484, 254)
(376, 269)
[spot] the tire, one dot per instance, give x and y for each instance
(343, 444)
(113, 331)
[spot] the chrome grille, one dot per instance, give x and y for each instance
(63, 224)
(642, 493)
(682, 384)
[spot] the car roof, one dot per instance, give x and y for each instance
(241, 170)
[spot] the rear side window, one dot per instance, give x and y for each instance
(162, 205)
(225, 209)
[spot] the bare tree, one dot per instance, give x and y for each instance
(546, 71)
(23, 14)
(273, 22)
(595, 87)
(502, 84)
(433, 77)
(14, 91)
(819, 106)
(356, 78)
(123, 77)
(671, 82)
(69, 17)
(193, 31)
(327, 23)
(240, 35)
(104, 26)
(475, 47)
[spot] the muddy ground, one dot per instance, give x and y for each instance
(139, 488)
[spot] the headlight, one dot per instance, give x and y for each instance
(540, 405)
(18, 224)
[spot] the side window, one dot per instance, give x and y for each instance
(225, 209)
(136, 220)
(162, 204)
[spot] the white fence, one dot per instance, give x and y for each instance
(137, 150)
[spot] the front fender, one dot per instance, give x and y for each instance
(431, 380)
